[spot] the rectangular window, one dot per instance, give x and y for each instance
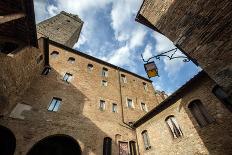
(67, 77)
(102, 105)
(46, 70)
(144, 107)
(114, 108)
(129, 103)
(104, 72)
(146, 140)
(123, 77)
(104, 83)
(54, 105)
(144, 86)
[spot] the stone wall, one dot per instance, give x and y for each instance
(213, 139)
(63, 28)
(203, 29)
(79, 115)
(17, 71)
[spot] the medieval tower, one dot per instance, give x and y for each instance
(63, 28)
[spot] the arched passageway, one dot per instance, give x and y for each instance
(56, 145)
(7, 141)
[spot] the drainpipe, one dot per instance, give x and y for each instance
(120, 92)
(123, 121)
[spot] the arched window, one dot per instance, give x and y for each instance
(54, 54)
(71, 60)
(146, 140)
(223, 97)
(107, 144)
(132, 145)
(104, 72)
(200, 113)
(174, 127)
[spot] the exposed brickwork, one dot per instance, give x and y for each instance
(203, 29)
(214, 139)
(79, 115)
(63, 28)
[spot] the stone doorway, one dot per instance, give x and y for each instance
(7, 141)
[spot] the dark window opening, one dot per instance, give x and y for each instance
(54, 54)
(7, 141)
(133, 148)
(107, 144)
(200, 113)
(223, 97)
(90, 67)
(71, 60)
(7, 47)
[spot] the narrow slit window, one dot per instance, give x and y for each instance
(104, 72)
(123, 77)
(102, 105)
(145, 86)
(144, 107)
(114, 107)
(67, 77)
(174, 127)
(55, 104)
(129, 103)
(46, 70)
(146, 140)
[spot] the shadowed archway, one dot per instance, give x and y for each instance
(56, 145)
(7, 141)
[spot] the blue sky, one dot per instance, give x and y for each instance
(111, 34)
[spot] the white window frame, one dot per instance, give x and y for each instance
(105, 72)
(104, 83)
(104, 105)
(123, 77)
(145, 86)
(113, 108)
(146, 109)
(69, 77)
(132, 103)
(54, 104)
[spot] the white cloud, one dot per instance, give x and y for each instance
(81, 41)
(137, 37)
(122, 12)
(40, 10)
(52, 10)
(121, 56)
(147, 52)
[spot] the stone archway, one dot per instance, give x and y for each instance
(7, 141)
(56, 145)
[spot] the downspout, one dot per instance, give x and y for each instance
(123, 121)
(120, 92)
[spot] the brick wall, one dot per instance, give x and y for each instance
(214, 139)
(201, 28)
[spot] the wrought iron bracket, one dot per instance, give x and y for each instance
(164, 54)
